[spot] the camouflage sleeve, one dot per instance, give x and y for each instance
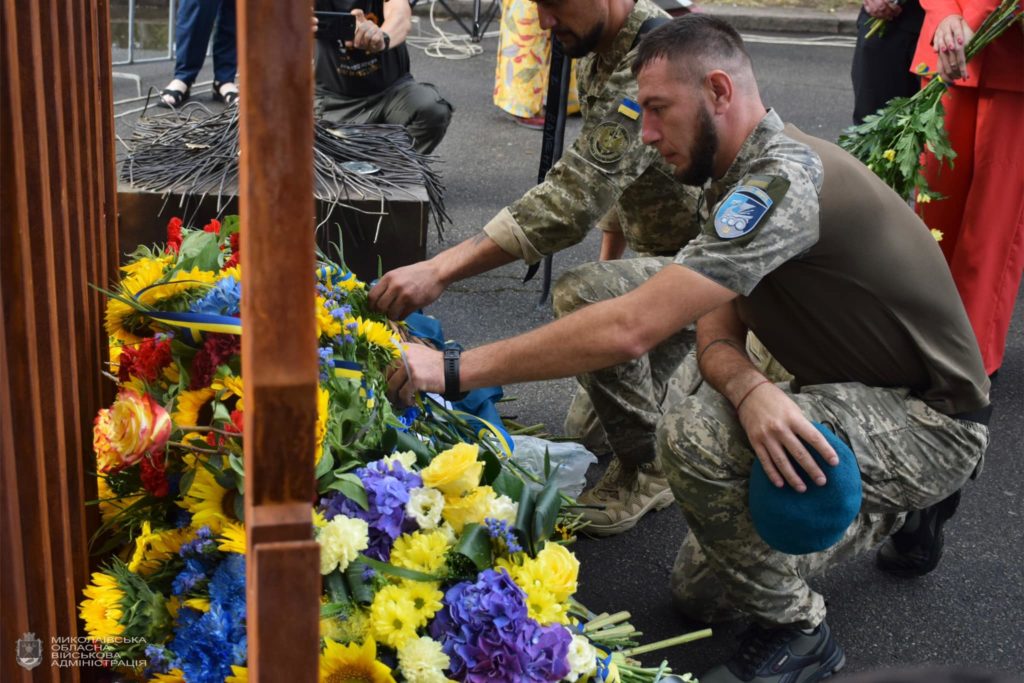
(606, 158)
(768, 218)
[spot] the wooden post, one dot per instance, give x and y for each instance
(57, 236)
(279, 360)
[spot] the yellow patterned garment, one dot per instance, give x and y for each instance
(524, 52)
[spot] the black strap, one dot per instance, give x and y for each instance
(647, 27)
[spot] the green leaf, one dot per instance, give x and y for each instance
(198, 250)
(545, 513)
(407, 441)
(508, 484)
(325, 464)
(239, 506)
(475, 545)
(360, 589)
(337, 589)
(186, 482)
(229, 226)
(401, 572)
(237, 464)
(352, 488)
(524, 519)
(333, 609)
(220, 413)
(492, 466)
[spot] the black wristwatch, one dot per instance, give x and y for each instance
(387, 41)
(452, 353)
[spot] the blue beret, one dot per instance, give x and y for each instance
(801, 523)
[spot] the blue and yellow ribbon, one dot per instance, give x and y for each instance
(197, 323)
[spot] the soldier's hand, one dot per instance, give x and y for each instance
(775, 426)
(421, 369)
(403, 290)
(368, 36)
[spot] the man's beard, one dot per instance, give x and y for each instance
(585, 45)
(702, 152)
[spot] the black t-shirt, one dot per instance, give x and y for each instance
(355, 73)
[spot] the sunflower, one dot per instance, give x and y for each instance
(326, 324)
(110, 503)
(375, 333)
(101, 610)
(233, 386)
(234, 271)
(239, 674)
(186, 411)
(347, 627)
(232, 538)
(352, 664)
(139, 276)
(205, 500)
(172, 676)
(152, 549)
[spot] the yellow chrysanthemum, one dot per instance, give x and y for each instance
(322, 413)
(234, 387)
(937, 234)
(346, 628)
(326, 324)
(234, 271)
(206, 500)
(188, 405)
(232, 538)
(455, 471)
(239, 674)
(471, 508)
(101, 610)
(199, 604)
(923, 198)
(393, 617)
(152, 549)
(548, 580)
(172, 676)
(426, 599)
(318, 519)
(421, 551)
(352, 664)
(375, 333)
(889, 154)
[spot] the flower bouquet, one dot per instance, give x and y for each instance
(438, 561)
(891, 141)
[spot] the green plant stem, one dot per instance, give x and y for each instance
(668, 642)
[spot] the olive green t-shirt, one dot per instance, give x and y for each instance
(838, 277)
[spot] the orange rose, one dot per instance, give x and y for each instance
(132, 427)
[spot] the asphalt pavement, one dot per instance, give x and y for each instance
(967, 612)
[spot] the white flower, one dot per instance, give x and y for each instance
(407, 458)
(582, 658)
(504, 509)
(423, 661)
(425, 506)
(340, 541)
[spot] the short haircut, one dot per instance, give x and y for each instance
(695, 42)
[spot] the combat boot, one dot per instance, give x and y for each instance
(781, 655)
(627, 494)
(917, 547)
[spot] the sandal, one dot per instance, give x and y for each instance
(178, 97)
(228, 98)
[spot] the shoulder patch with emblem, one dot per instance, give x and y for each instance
(609, 142)
(749, 203)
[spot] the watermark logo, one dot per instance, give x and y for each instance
(30, 651)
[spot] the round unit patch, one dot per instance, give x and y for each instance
(609, 142)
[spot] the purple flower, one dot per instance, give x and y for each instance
(485, 630)
(387, 492)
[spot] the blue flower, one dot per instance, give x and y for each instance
(224, 298)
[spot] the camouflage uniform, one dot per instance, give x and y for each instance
(607, 168)
(912, 449)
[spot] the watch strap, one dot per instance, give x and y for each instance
(452, 353)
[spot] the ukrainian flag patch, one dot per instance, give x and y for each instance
(629, 109)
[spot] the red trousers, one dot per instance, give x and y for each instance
(982, 217)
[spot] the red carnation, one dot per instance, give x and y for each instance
(217, 350)
(145, 362)
(154, 478)
(213, 226)
(236, 254)
(174, 235)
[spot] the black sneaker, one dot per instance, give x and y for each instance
(781, 655)
(916, 548)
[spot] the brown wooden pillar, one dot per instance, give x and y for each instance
(279, 360)
(57, 236)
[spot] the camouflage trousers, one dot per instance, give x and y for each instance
(627, 399)
(618, 408)
(910, 457)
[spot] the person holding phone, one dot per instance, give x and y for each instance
(365, 77)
